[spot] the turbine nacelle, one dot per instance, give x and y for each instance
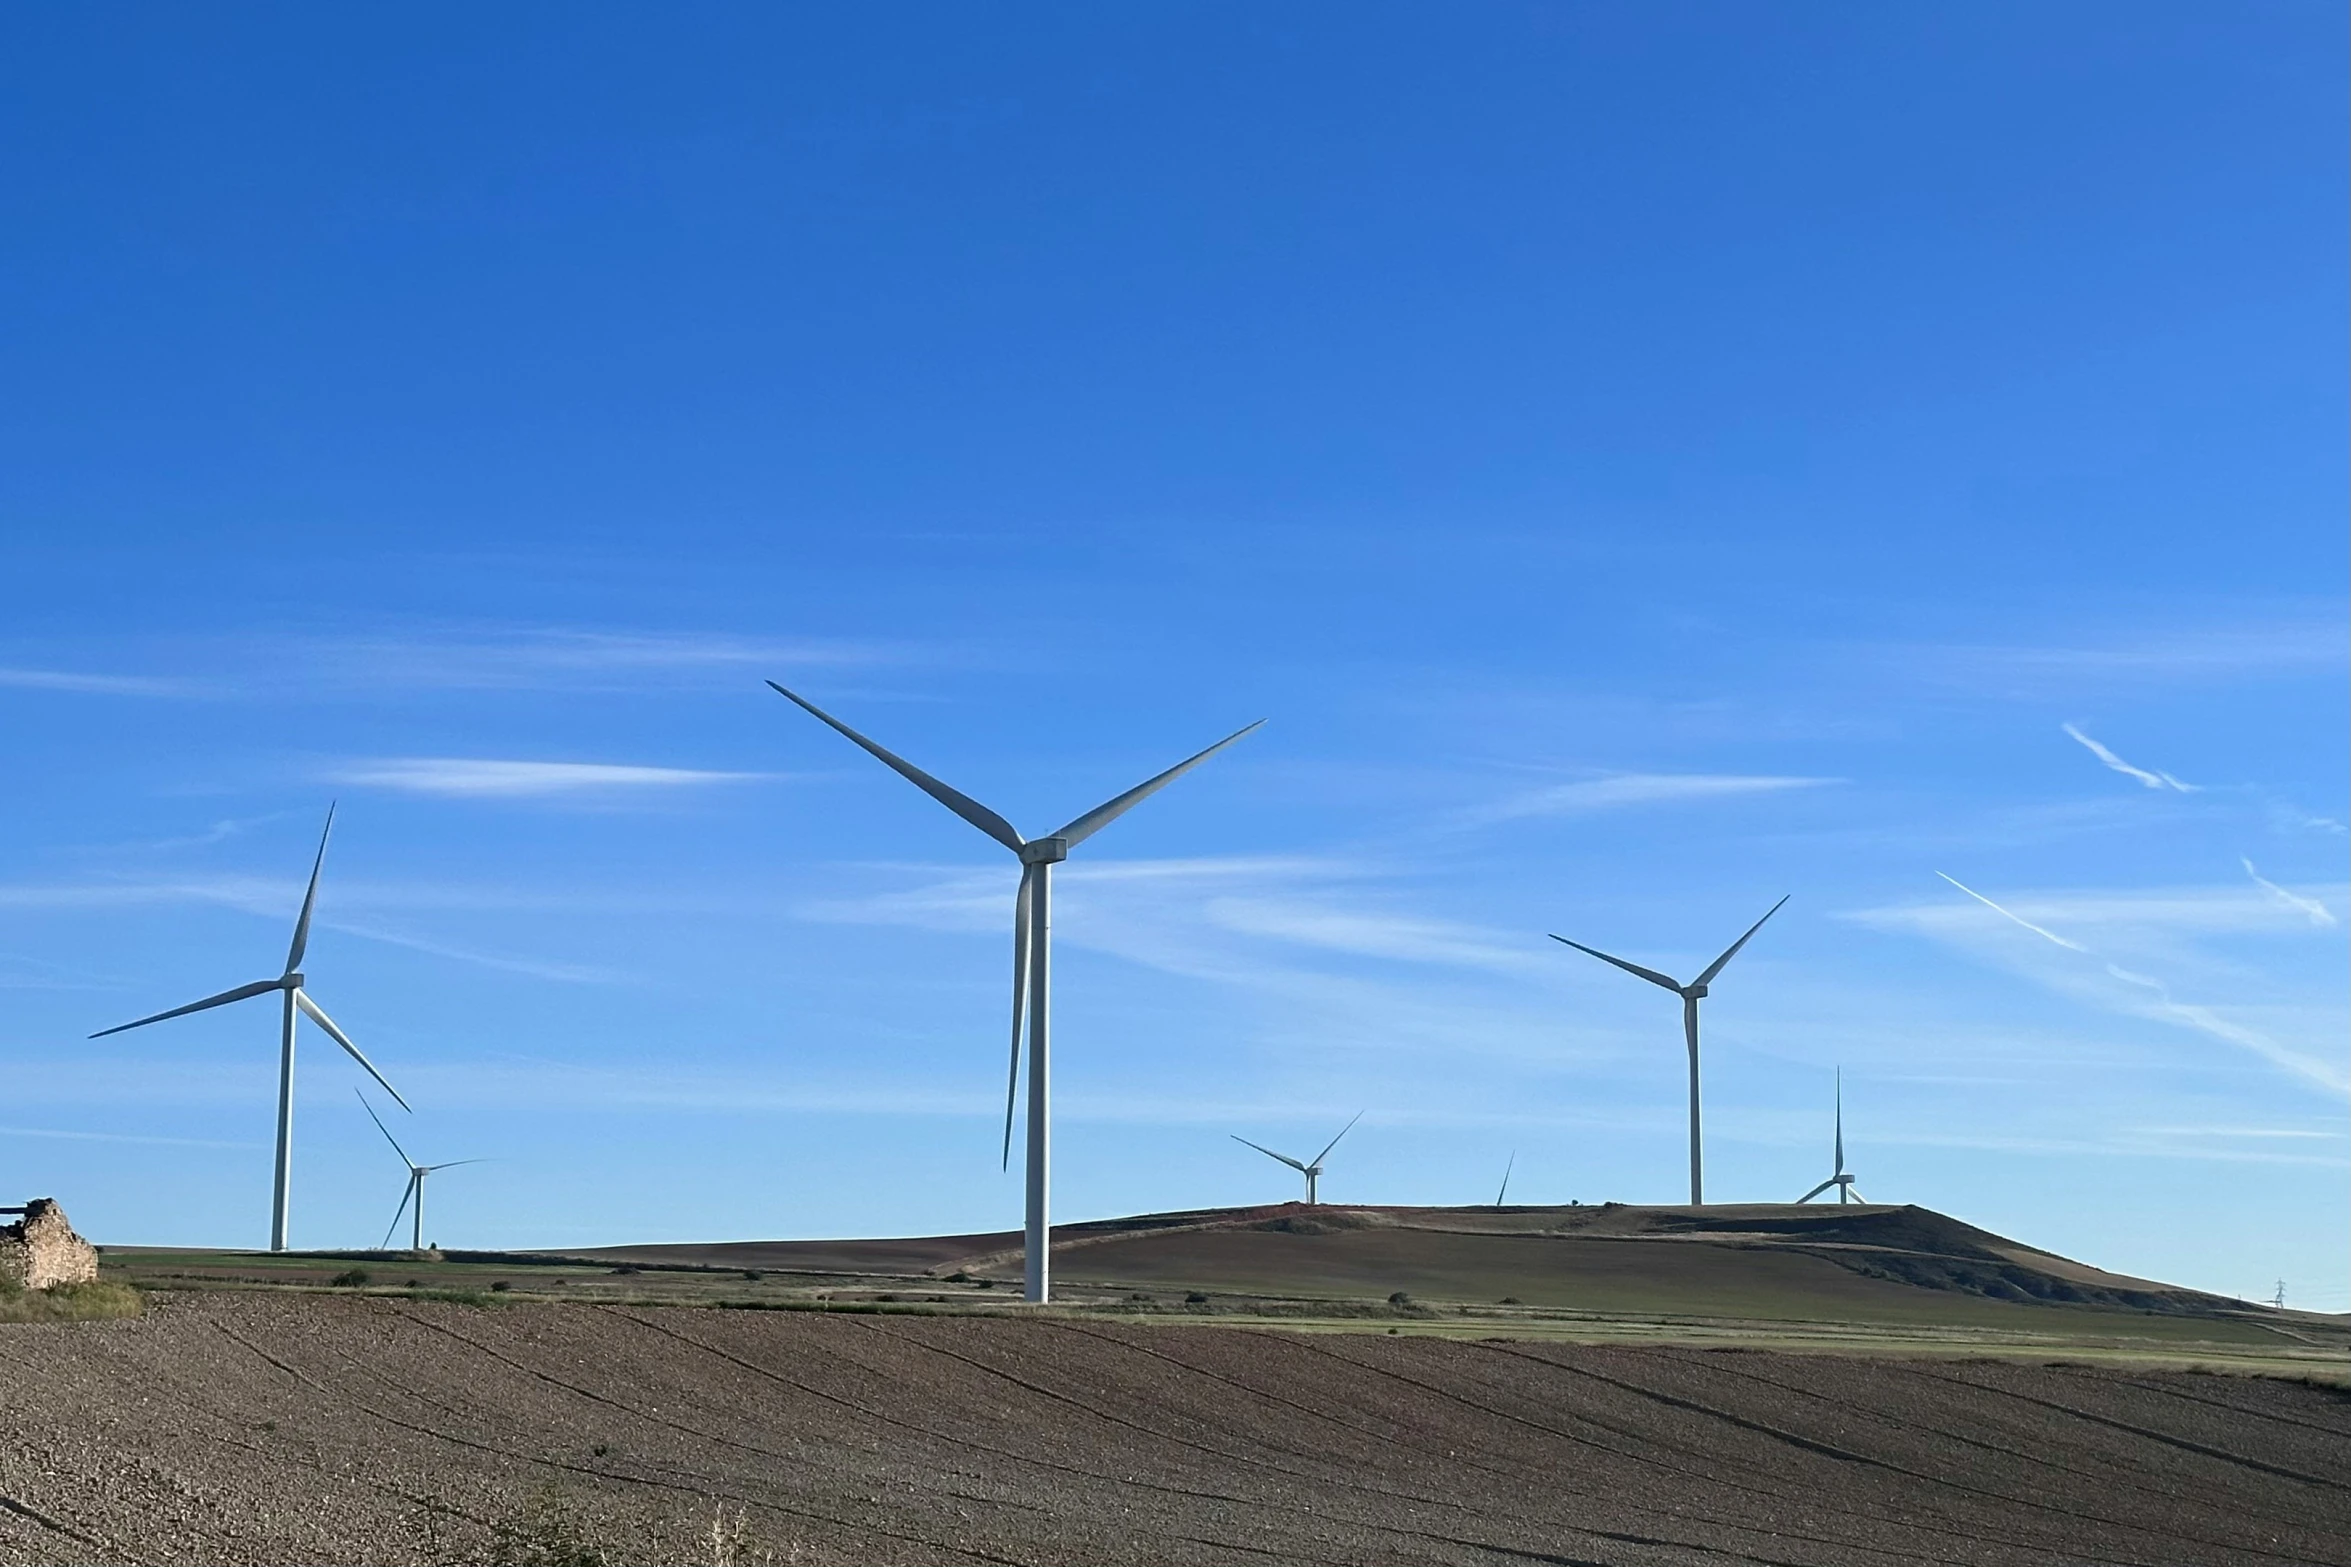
(1694, 992)
(293, 981)
(1044, 851)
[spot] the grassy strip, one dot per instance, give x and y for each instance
(96, 1301)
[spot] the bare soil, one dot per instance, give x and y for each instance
(267, 1427)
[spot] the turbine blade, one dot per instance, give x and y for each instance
(1506, 1169)
(955, 800)
(317, 1015)
(259, 987)
(452, 1164)
(309, 898)
(1268, 1152)
(1649, 974)
(1021, 914)
(387, 1131)
(406, 1192)
(1816, 1191)
(1103, 815)
(1715, 967)
(1334, 1142)
(1856, 1191)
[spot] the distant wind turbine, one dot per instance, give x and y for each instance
(1691, 994)
(1312, 1168)
(297, 1000)
(1841, 1181)
(1511, 1165)
(416, 1174)
(1032, 955)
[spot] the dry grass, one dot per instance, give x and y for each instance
(96, 1301)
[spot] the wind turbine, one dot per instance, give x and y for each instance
(1032, 955)
(1691, 994)
(297, 1000)
(416, 1174)
(1312, 1169)
(1841, 1181)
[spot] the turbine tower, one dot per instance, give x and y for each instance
(1032, 955)
(1691, 994)
(296, 1000)
(1841, 1181)
(416, 1174)
(1311, 1169)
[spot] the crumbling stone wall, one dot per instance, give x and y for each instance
(41, 1249)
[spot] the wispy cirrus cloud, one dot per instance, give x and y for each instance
(533, 658)
(122, 1137)
(1619, 791)
(1368, 933)
(274, 899)
(2150, 779)
(2282, 645)
(82, 683)
(486, 778)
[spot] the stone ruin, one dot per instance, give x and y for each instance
(41, 1249)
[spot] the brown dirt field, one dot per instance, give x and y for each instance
(263, 1427)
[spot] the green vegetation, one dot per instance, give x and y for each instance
(96, 1301)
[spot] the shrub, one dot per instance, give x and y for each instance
(501, 1286)
(753, 1275)
(1195, 1298)
(97, 1300)
(1399, 1299)
(1512, 1300)
(349, 1279)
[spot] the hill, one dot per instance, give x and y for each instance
(1767, 1261)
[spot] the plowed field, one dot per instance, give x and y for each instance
(263, 1427)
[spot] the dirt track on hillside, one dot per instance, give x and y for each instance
(252, 1428)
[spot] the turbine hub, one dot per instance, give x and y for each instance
(1696, 992)
(1044, 851)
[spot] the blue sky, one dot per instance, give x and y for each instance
(1641, 459)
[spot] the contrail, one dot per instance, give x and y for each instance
(2202, 1019)
(2154, 780)
(2318, 912)
(2070, 946)
(2205, 1020)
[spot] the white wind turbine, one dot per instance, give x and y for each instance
(1691, 994)
(416, 1174)
(1312, 1168)
(1032, 955)
(1841, 1181)
(297, 1000)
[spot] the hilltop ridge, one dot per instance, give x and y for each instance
(1768, 1259)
